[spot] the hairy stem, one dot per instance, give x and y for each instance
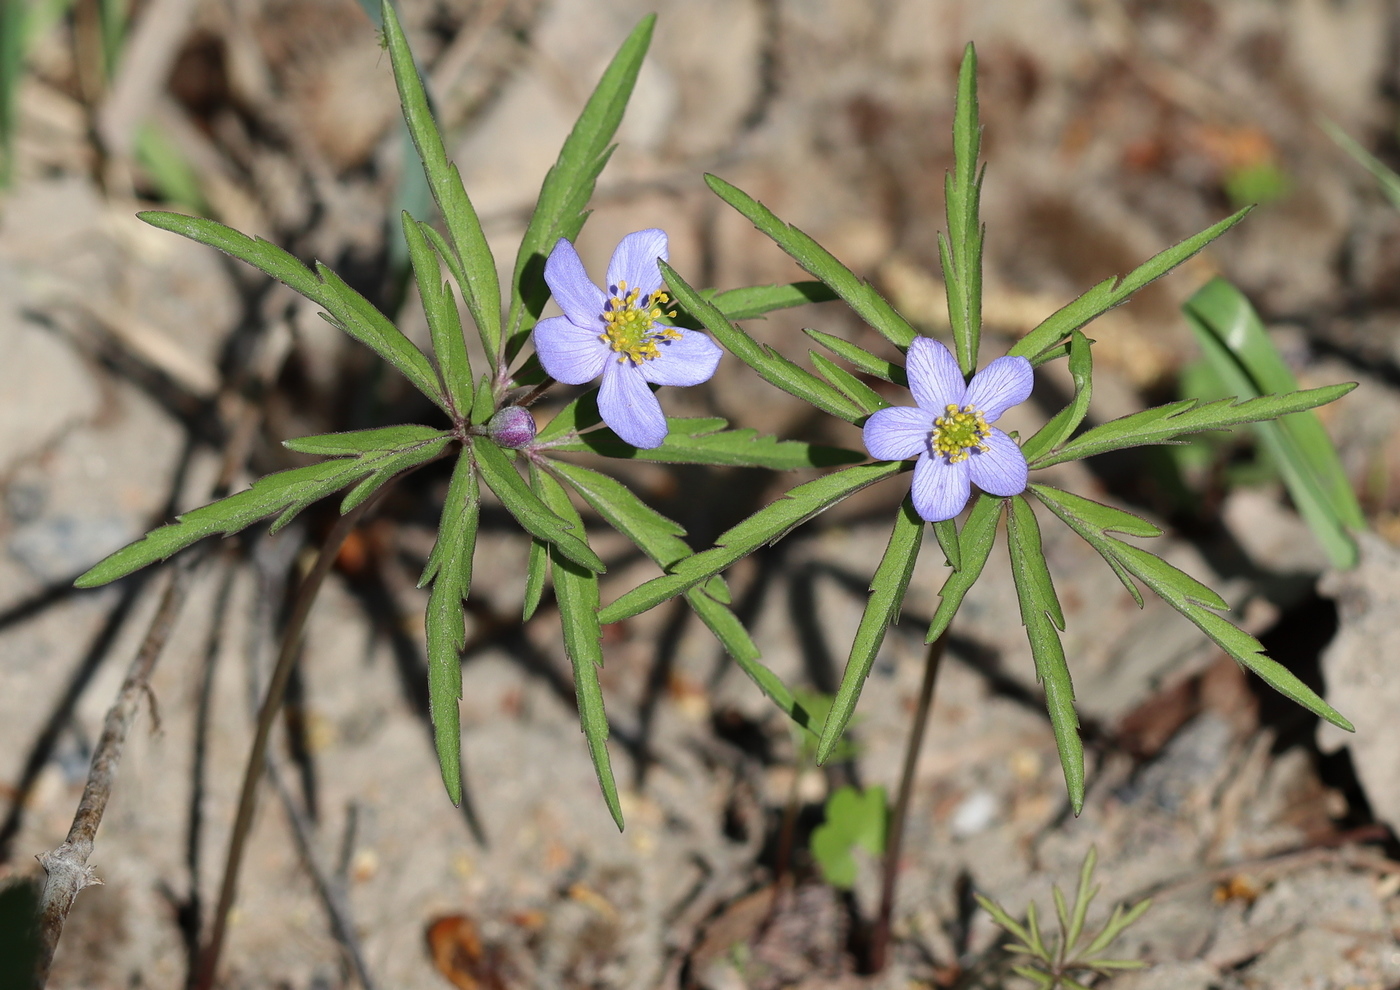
(894, 838)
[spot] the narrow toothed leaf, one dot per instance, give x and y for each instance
(1113, 292)
(450, 570)
(444, 323)
(887, 590)
(756, 300)
(975, 542)
(576, 590)
(1063, 424)
(961, 251)
(946, 531)
(1043, 618)
(771, 365)
(527, 508)
(562, 206)
(860, 357)
(865, 397)
(868, 304)
(261, 254)
(706, 441)
(767, 525)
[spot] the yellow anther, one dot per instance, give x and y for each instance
(630, 326)
(959, 432)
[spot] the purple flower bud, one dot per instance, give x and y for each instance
(512, 427)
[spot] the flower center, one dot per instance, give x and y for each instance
(958, 432)
(630, 327)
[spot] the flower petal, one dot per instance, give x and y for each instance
(629, 408)
(897, 433)
(634, 261)
(934, 377)
(1004, 383)
(688, 361)
(581, 300)
(940, 489)
(1001, 469)
(568, 352)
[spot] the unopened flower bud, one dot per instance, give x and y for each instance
(512, 427)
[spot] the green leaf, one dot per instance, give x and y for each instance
(853, 818)
(961, 251)
(1389, 181)
(283, 494)
(579, 414)
(860, 357)
(975, 541)
(444, 324)
(1185, 594)
(887, 590)
(1083, 895)
(483, 402)
(527, 508)
(705, 441)
(562, 206)
(770, 365)
(1091, 520)
(450, 570)
(864, 397)
(537, 569)
(475, 268)
(1163, 424)
(354, 314)
(1043, 618)
(1063, 424)
(1002, 918)
(386, 466)
(946, 532)
(869, 305)
(767, 525)
(756, 300)
(261, 254)
(576, 590)
(1240, 352)
(1113, 292)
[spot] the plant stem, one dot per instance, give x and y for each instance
(272, 701)
(894, 838)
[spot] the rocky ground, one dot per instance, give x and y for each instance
(133, 366)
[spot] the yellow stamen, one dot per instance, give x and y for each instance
(959, 432)
(630, 326)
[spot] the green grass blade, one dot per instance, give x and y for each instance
(772, 366)
(1240, 352)
(576, 590)
(1063, 424)
(767, 525)
(479, 284)
(962, 251)
(887, 590)
(868, 304)
(975, 541)
(533, 514)
(444, 324)
(562, 206)
(1113, 291)
(1389, 181)
(1043, 618)
(450, 570)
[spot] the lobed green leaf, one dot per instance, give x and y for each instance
(961, 250)
(576, 590)
(770, 365)
(449, 569)
(860, 357)
(475, 268)
(767, 525)
(1113, 292)
(862, 395)
(262, 255)
(887, 589)
(705, 441)
(1063, 424)
(868, 304)
(975, 543)
(283, 494)
(444, 323)
(1043, 619)
(562, 206)
(528, 509)
(1163, 424)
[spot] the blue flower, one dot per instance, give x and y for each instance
(949, 430)
(617, 335)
